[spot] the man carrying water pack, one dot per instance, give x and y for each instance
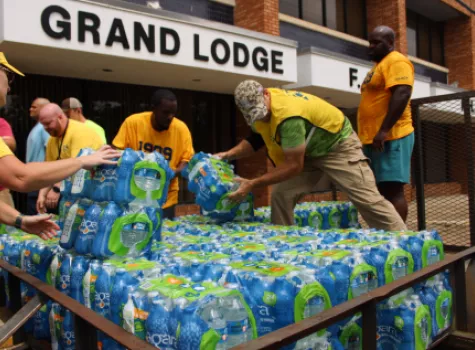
(21, 177)
(159, 130)
(305, 138)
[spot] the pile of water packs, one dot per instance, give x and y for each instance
(115, 210)
(210, 286)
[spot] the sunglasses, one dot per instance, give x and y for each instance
(10, 75)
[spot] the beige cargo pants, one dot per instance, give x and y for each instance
(348, 168)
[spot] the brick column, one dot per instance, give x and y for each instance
(460, 51)
(391, 13)
(260, 16)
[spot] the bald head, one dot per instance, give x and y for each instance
(53, 119)
(381, 42)
(36, 106)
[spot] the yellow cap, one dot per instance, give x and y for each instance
(4, 62)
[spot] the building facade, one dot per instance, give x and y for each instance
(111, 54)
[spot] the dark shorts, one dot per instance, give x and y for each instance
(394, 163)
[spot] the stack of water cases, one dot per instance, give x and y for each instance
(209, 286)
(212, 180)
(320, 215)
(115, 210)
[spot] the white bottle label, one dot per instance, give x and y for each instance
(78, 181)
(86, 283)
(129, 316)
(68, 223)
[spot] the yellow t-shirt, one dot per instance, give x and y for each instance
(286, 104)
(175, 144)
(4, 149)
(394, 69)
(77, 136)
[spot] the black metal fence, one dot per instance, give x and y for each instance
(442, 193)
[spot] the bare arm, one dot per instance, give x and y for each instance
(181, 166)
(29, 177)
(293, 165)
(34, 176)
(10, 141)
(40, 225)
(399, 100)
(242, 150)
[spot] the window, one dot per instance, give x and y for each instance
(347, 16)
(425, 38)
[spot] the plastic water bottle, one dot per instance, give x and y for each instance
(101, 241)
(125, 169)
(41, 329)
(147, 180)
(81, 181)
(68, 339)
(89, 282)
(160, 332)
(104, 183)
(314, 306)
(55, 323)
(237, 323)
(80, 265)
(218, 323)
(102, 302)
(121, 281)
(63, 283)
(88, 229)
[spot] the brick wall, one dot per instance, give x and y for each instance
(261, 15)
(391, 13)
(460, 51)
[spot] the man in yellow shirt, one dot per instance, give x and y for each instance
(159, 130)
(306, 137)
(72, 108)
(68, 137)
(384, 117)
(29, 177)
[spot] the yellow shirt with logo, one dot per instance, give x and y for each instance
(77, 136)
(4, 149)
(287, 104)
(175, 144)
(394, 69)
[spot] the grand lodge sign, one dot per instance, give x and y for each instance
(77, 25)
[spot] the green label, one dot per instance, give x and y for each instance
(175, 287)
(36, 258)
(194, 239)
(265, 267)
(399, 322)
(333, 254)
(201, 256)
(292, 239)
(248, 247)
(269, 298)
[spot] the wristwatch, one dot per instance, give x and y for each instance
(56, 189)
(18, 221)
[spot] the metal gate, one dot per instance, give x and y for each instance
(442, 192)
